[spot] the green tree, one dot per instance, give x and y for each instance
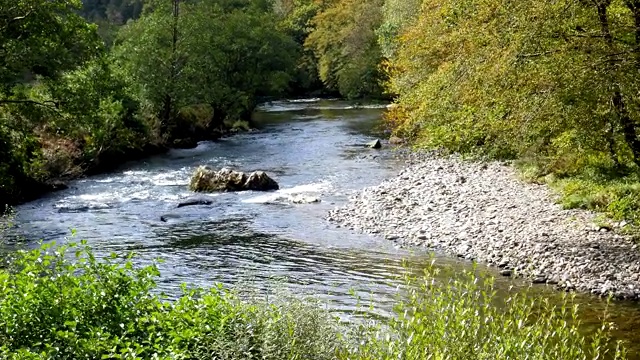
(296, 21)
(397, 15)
(39, 41)
(346, 48)
(223, 54)
(42, 38)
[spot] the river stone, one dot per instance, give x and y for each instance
(302, 199)
(376, 144)
(260, 181)
(506, 272)
(196, 200)
(206, 179)
(394, 140)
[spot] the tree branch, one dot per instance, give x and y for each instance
(54, 106)
(537, 54)
(49, 103)
(17, 18)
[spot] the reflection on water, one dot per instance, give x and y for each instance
(309, 146)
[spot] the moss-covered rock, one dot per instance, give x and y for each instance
(207, 179)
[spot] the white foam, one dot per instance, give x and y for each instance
(264, 199)
(310, 100)
(99, 197)
(307, 188)
(170, 178)
(286, 195)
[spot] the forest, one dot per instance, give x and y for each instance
(550, 85)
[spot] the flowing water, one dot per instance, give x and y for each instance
(311, 147)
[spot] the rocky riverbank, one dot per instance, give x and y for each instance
(482, 212)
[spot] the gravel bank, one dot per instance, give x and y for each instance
(483, 212)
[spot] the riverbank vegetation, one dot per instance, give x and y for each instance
(87, 85)
(63, 303)
(551, 84)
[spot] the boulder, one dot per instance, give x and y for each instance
(206, 179)
(375, 144)
(260, 181)
(186, 143)
(394, 140)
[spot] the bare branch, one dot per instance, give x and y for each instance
(53, 106)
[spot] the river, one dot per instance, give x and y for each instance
(310, 148)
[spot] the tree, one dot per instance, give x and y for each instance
(552, 81)
(397, 15)
(39, 41)
(220, 53)
(296, 21)
(346, 48)
(42, 38)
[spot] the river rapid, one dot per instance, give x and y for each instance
(311, 147)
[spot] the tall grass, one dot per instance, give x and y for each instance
(63, 303)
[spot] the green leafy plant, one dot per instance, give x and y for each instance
(63, 303)
(464, 319)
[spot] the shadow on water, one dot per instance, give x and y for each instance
(258, 238)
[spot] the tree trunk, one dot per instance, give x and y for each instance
(168, 102)
(167, 110)
(627, 124)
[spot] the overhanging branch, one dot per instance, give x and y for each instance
(49, 104)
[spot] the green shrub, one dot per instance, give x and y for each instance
(63, 303)
(56, 305)
(465, 319)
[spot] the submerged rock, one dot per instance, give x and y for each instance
(302, 199)
(200, 200)
(206, 179)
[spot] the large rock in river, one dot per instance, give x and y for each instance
(376, 144)
(260, 181)
(206, 179)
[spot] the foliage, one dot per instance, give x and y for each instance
(98, 110)
(346, 48)
(464, 319)
(63, 303)
(295, 20)
(39, 41)
(112, 11)
(552, 83)
(41, 38)
(397, 15)
(223, 54)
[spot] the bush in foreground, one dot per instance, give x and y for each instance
(465, 319)
(52, 307)
(57, 306)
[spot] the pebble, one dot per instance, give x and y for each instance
(506, 272)
(494, 218)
